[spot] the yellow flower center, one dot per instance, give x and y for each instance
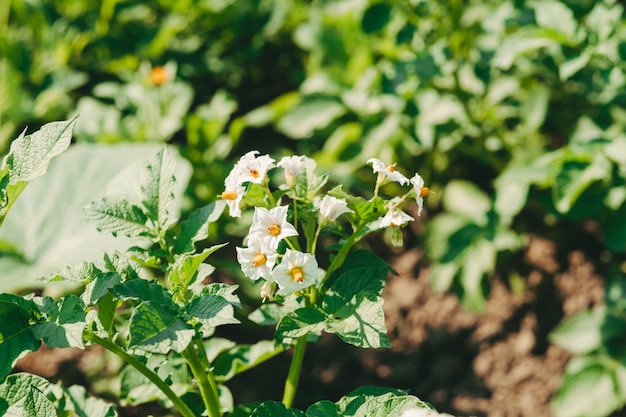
(424, 191)
(158, 75)
(297, 275)
(274, 230)
(229, 195)
(255, 173)
(259, 260)
(391, 168)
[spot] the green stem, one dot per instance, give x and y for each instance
(180, 405)
(205, 379)
(291, 384)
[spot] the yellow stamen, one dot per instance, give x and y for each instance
(424, 191)
(259, 260)
(255, 173)
(391, 168)
(297, 275)
(229, 195)
(274, 229)
(158, 75)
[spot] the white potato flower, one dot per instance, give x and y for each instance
(258, 259)
(420, 191)
(331, 208)
(387, 171)
(271, 225)
(296, 271)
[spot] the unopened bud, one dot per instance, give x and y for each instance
(268, 290)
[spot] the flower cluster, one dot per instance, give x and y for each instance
(272, 248)
(389, 173)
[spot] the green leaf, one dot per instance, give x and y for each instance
(100, 287)
(240, 358)
(184, 272)
(311, 113)
(214, 346)
(65, 325)
(371, 399)
(16, 335)
(275, 409)
(298, 323)
(587, 331)
(157, 329)
(25, 397)
(116, 215)
(29, 157)
(51, 208)
(195, 228)
(576, 174)
(136, 388)
(465, 198)
(82, 273)
(107, 307)
(376, 17)
(479, 261)
(364, 273)
(323, 408)
(212, 309)
(361, 322)
(566, 23)
(158, 187)
(37, 404)
(586, 391)
(85, 406)
(144, 290)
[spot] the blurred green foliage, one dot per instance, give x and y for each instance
(513, 111)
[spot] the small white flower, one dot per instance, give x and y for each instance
(257, 260)
(250, 168)
(296, 271)
(395, 217)
(233, 197)
(420, 191)
(271, 225)
(331, 208)
(293, 166)
(387, 171)
(268, 290)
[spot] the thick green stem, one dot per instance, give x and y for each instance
(291, 384)
(206, 381)
(180, 405)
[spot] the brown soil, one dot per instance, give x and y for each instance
(498, 363)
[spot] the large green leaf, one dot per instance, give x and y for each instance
(378, 401)
(361, 322)
(65, 322)
(24, 396)
(588, 389)
(46, 226)
(16, 335)
(29, 157)
(240, 358)
(196, 227)
(275, 409)
(85, 406)
(587, 331)
(214, 307)
(155, 328)
(185, 270)
(158, 186)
